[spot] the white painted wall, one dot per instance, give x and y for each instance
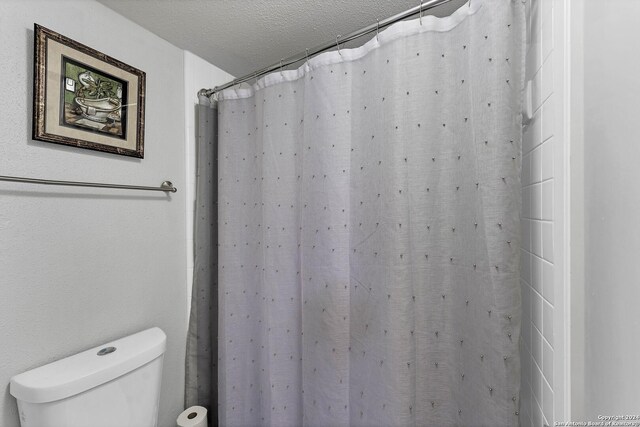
(611, 207)
(198, 74)
(82, 266)
(543, 265)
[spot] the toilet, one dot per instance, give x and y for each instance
(115, 384)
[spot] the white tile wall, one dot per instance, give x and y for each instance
(536, 400)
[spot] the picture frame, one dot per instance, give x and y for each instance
(85, 98)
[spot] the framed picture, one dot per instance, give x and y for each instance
(85, 98)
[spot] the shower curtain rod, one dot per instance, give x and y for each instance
(285, 62)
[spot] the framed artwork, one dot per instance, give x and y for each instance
(85, 98)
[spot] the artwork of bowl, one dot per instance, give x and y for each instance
(98, 110)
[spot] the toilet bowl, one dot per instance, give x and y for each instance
(115, 384)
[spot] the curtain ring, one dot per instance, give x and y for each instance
(377, 29)
(420, 12)
(338, 44)
(281, 67)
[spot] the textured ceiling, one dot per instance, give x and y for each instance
(240, 36)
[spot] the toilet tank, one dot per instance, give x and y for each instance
(115, 384)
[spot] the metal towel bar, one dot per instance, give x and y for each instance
(166, 186)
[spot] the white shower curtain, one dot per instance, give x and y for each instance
(369, 231)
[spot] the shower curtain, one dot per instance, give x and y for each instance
(201, 372)
(368, 219)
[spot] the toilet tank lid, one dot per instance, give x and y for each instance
(83, 371)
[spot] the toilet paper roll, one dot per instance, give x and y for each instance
(195, 416)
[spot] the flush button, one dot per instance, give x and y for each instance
(106, 350)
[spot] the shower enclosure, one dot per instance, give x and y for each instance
(365, 220)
